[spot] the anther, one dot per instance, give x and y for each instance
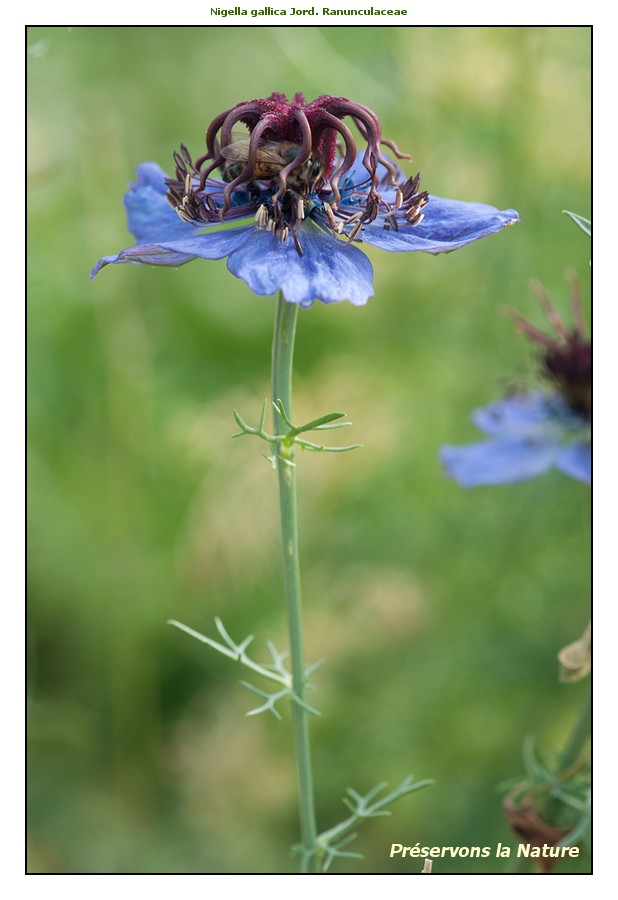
(414, 217)
(355, 230)
(297, 243)
(334, 223)
(261, 216)
(329, 215)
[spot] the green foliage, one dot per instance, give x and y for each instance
(584, 224)
(558, 790)
(440, 612)
(331, 843)
(274, 671)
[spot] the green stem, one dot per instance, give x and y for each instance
(579, 736)
(282, 357)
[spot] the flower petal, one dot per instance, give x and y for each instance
(213, 245)
(150, 217)
(448, 225)
(576, 460)
(329, 269)
(498, 462)
(522, 416)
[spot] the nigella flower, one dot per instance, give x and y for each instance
(531, 433)
(307, 198)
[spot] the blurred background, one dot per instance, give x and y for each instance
(439, 611)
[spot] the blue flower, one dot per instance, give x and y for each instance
(531, 433)
(305, 204)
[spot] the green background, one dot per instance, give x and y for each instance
(440, 611)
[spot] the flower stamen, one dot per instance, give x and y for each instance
(286, 168)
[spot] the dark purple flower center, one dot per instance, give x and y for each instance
(289, 163)
(567, 357)
(570, 367)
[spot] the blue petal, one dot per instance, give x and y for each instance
(448, 225)
(329, 269)
(576, 460)
(213, 245)
(535, 416)
(498, 462)
(522, 416)
(150, 217)
(150, 174)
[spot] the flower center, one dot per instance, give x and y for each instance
(570, 368)
(567, 357)
(291, 161)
